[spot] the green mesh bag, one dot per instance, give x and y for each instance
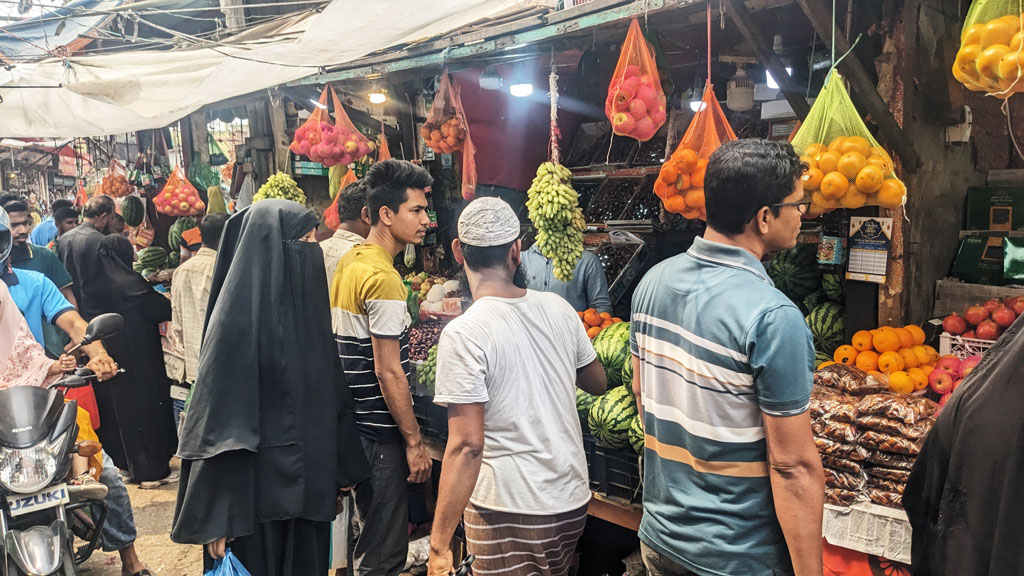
(847, 167)
(991, 58)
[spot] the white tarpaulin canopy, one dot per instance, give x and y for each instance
(129, 91)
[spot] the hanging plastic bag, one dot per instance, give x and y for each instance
(327, 143)
(216, 203)
(142, 237)
(636, 101)
(179, 197)
(991, 55)
(202, 175)
(447, 131)
(115, 182)
(847, 167)
(308, 137)
(344, 137)
(385, 150)
(229, 565)
(217, 155)
(331, 219)
(680, 183)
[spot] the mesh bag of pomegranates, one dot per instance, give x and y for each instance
(636, 102)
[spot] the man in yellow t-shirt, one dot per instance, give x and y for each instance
(371, 321)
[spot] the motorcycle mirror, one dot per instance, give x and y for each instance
(88, 448)
(103, 326)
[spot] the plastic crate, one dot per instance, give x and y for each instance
(590, 447)
(962, 347)
(616, 473)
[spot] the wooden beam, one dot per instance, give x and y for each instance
(864, 94)
(744, 20)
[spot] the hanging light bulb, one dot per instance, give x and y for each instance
(740, 91)
(377, 96)
(490, 79)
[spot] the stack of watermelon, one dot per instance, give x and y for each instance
(612, 417)
(819, 296)
(151, 260)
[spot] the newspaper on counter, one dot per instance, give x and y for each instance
(869, 528)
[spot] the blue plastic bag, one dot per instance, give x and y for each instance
(229, 565)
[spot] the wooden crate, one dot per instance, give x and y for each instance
(953, 296)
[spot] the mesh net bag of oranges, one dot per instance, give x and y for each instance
(846, 166)
(991, 55)
(635, 104)
(680, 183)
(446, 131)
(897, 356)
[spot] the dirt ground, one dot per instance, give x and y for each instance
(154, 510)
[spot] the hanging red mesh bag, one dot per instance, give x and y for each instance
(179, 197)
(680, 183)
(331, 219)
(447, 131)
(636, 102)
(329, 143)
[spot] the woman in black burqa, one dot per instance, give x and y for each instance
(269, 439)
(965, 496)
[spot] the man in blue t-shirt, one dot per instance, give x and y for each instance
(46, 231)
(733, 484)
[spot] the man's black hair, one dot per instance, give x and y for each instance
(62, 214)
(484, 257)
(211, 228)
(388, 183)
(115, 217)
(744, 176)
(8, 198)
(61, 203)
(15, 206)
(353, 199)
(97, 206)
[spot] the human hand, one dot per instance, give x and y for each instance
(419, 462)
(104, 367)
(439, 563)
(67, 363)
(218, 548)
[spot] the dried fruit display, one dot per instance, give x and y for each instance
(612, 200)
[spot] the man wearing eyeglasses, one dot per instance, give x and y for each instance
(722, 361)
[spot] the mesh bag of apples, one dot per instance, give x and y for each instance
(990, 58)
(846, 166)
(680, 182)
(179, 197)
(330, 144)
(636, 102)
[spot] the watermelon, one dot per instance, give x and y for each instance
(584, 401)
(834, 286)
(627, 373)
(795, 272)
(612, 347)
(636, 435)
(820, 357)
(610, 417)
(137, 266)
(174, 259)
(813, 300)
(153, 258)
(179, 226)
(828, 326)
(133, 211)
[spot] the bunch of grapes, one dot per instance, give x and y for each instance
(555, 212)
(425, 371)
(281, 186)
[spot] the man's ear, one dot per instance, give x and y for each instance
(386, 215)
(364, 214)
(457, 252)
(764, 216)
(517, 253)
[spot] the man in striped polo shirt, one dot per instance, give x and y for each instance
(371, 322)
(733, 485)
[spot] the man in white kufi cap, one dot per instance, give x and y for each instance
(507, 370)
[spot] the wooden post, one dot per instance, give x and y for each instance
(864, 94)
(745, 23)
(279, 134)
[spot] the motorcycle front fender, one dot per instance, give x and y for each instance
(39, 550)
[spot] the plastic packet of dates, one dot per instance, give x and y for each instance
(842, 464)
(828, 447)
(889, 443)
(888, 473)
(909, 409)
(885, 498)
(839, 497)
(837, 408)
(849, 380)
(889, 460)
(835, 430)
(914, 431)
(886, 485)
(843, 480)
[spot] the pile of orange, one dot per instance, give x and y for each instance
(850, 173)
(680, 184)
(898, 356)
(596, 321)
(990, 58)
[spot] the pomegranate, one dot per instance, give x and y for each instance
(992, 304)
(948, 363)
(976, 315)
(968, 365)
(940, 381)
(988, 330)
(1018, 307)
(1010, 300)
(1003, 316)
(954, 324)
(969, 334)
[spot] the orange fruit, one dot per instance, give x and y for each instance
(988, 60)
(933, 354)
(900, 382)
(825, 364)
(593, 331)
(829, 161)
(687, 160)
(818, 199)
(999, 31)
(815, 150)
(851, 163)
(906, 337)
(836, 144)
(862, 341)
(916, 332)
(606, 324)
(812, 179)
(675, 204)
(886, 340)
(616, 320)
(867, 360)
(591, 317)
(889, 362)
(919, 377)
(669, 173)
(697, 177)
(879, 157)
(1011, 65)
(845, 354)
(662, 190)
(810, 162)
(693, 213)
(853, 198)
(695, 198)
(926, 368)
(972, 35)
(922, 355)
(909, 358)
(870, 178)
(855, 144)
(581, 317)
(891, 194)
(605, 316)
(883, 378)
(834, 185)
(682, 182)
(1017, 42)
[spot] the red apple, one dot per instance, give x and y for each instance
(954, 324)
(648, 95)
(632, 71)
(1003, 316)
(645, 128)
(630, 85)
(976, 315)
(988, 330)
(623, 123)
(992, 304)
(956, 383)
(646, 80)
(621, 100)
(638, 108)
(1009, 300)
(945, 398)
(940, 381)
(968, 365)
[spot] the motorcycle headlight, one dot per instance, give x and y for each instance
(31, 469)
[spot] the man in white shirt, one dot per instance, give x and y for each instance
(354, 214)
(507, 369)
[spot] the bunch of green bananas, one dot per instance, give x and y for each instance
(555, 212)
(425, 371)
(281, 186)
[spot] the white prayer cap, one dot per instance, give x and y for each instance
(488, 221)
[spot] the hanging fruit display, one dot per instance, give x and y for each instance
(555, 211)
(115, 185)
(179, 197)
(636, 102)
(281, 186)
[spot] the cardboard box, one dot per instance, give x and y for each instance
(979, 262)
(995, 208)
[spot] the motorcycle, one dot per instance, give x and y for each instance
(41, 513)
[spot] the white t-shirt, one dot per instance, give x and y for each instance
(520, 357)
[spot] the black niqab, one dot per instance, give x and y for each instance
(965, 496)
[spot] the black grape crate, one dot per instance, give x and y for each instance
(616, 473)
(433, 419)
